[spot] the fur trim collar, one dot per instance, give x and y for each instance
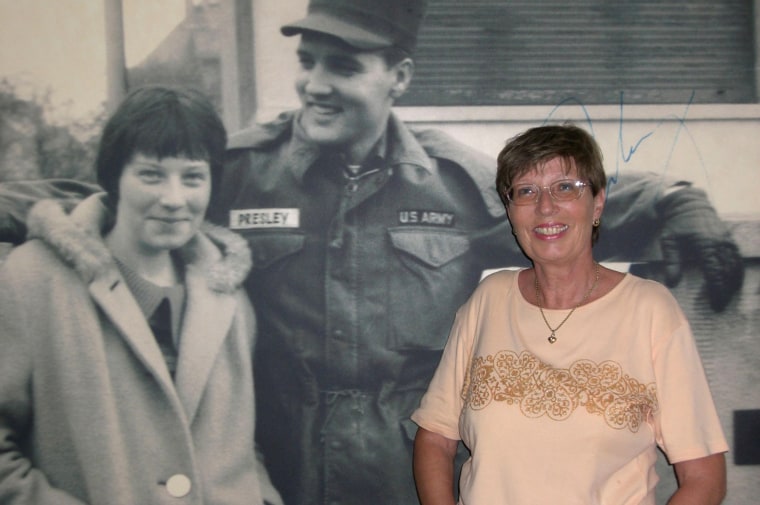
(217, 254)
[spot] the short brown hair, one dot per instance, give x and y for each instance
(538, 145)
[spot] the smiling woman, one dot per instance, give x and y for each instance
(128, 315)
(588, 367)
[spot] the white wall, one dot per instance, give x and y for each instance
(275, 55)
(715, 147)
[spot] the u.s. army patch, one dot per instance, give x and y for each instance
(426, 217)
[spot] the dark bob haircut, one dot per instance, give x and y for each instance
(160, 122)
(536, 146)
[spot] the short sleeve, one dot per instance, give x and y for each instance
(687, 423)
(442, 403)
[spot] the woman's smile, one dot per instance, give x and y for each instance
(550, 230)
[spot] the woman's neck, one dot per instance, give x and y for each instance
(565, 288)
(158, 268)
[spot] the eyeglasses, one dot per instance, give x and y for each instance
(564, 190)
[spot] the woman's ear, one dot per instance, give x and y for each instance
(599, 200)
(402, 74)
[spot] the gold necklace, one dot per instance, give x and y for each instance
(553, 338)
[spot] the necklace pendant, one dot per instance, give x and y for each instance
(552, 338)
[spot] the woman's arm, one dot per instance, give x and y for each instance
(17, 197)
(20, 482)
(434, 467)
(701, 481)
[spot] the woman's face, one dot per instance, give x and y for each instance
(162, 203)
(550, 231)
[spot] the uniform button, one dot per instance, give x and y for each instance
(178, 485)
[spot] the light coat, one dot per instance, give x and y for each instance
(88, 410)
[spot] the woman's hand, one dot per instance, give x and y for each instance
(701, 481)
(434, 467)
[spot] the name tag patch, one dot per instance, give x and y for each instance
(426, 217)
(246, 219)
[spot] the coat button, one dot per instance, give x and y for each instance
(178, 485)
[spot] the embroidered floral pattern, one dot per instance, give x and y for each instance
(539, 389)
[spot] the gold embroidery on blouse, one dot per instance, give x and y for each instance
(539, 389)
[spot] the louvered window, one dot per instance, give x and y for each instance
(503, 52)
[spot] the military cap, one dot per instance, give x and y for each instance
(364, 24)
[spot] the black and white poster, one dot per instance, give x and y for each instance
(670, 91)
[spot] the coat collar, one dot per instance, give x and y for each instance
(222, 256)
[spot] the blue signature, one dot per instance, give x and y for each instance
(627, 149)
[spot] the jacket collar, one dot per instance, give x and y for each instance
(222, 256)
(401, 148)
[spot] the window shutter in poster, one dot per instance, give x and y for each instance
(502, 52)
